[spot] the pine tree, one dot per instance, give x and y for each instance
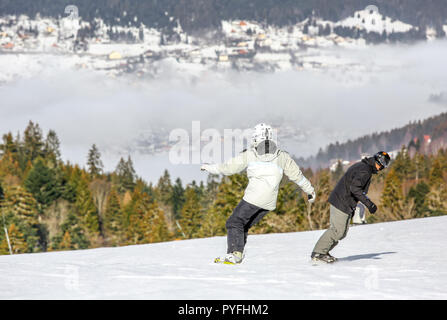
(87, 211)
(436, 173)
(100, 189)
(338, 173)
(4, 247)
(33, 141)
(191, 214)
(75, 228)
(318, 218)
(52, 147)
(419, 194)
(144, 221)
(402, 164)
(22, 209)
(70, 179)
(8, 166)
(159, 231)
(8, 145)
(420, 166)
(17, 240)
(66, 243)
(10, 156)
(119, 172)
(21, 156)
(42, 183)
(392, 196)
(212, 185)
(136, 224)
(125, 175)
(437, 197)
(164, 193)
(178, 197)
(164, 188)
(94, 163)
(113, 219)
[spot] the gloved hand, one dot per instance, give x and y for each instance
(311, 197)
(371, 207)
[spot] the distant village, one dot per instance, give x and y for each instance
(139, 51)
(239, 44)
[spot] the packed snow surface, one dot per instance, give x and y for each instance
(396, 260)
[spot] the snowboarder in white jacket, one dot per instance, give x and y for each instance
(265, 165)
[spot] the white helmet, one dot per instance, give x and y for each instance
(261, 132)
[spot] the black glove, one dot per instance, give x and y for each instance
(311, 197)
(371, 207)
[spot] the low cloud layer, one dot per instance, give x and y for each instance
(391, 87)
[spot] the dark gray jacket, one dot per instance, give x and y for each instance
(353, 187)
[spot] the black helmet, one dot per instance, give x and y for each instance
(383, 159)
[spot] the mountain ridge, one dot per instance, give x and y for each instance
(203, 14)
(427, 136)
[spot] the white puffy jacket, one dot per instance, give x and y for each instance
(264, 175)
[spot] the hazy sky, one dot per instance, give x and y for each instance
(392, 88)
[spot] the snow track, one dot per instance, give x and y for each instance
(397, 260)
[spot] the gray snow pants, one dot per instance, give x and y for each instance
(339, 225)
(244, 216)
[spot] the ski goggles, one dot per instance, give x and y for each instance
(383, 159)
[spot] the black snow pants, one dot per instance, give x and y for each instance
(244, 216)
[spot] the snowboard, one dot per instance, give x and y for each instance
(320, 262)
(221, 260)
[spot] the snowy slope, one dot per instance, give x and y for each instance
(398, 260)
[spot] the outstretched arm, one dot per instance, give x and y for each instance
(232, 166)
(293, 172)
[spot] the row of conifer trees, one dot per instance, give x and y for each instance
(48, 204)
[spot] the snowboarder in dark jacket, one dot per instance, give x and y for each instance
(352, 188)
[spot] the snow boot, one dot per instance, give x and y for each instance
(317, 257)
(234, 258)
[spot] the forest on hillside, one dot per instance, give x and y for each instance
(48, 204)
(195, 15)
(411, 135)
